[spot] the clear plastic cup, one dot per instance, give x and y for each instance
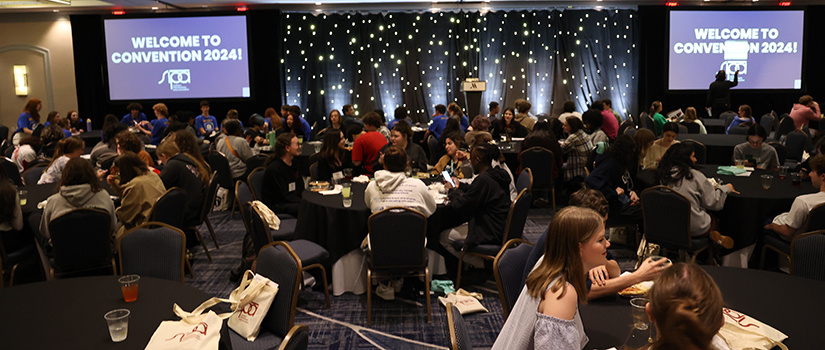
(640, 320)
(346, 193)
(766, 181)
(118, 321)
(24, 195)
(129, 287)
(740, 163)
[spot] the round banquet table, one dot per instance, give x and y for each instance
(719, 146)
(744, 214)
(510, 151)
(788, 303)
(68, 313)
(714, 126)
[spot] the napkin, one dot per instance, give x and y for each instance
(336, 190)
(729, 170)
(361, 179)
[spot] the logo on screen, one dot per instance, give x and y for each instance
(176, 78)
(730, 68)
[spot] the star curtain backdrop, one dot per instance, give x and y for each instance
(417, 60)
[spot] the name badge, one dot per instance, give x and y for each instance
(291, 186)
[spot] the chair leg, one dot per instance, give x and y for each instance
(553, 196)
(427, 293)
(369, 296)
(189, 266)
(232, 211)
(762, 258)
(212, 232)
(203, 243)
(324, 273)
(458, 277)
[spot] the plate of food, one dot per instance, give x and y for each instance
(637, 289)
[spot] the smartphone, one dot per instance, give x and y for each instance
(447, 177)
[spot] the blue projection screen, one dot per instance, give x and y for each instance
(183, 57)
(766, 47)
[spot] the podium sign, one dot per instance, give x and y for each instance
(473, 86)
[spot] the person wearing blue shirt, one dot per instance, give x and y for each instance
(295, 111)
(745, 116)
(454, 111)
(156, 126)
(400, 114)
(438, 122)
(135, 115)
(205, 124)
(28, 120)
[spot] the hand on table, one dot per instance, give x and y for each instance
(731, 188)
(599, 275)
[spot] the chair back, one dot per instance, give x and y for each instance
(153, 249)
(209, 197)
(261, 235)
(33, 173)
(666, 217)
(647, 122)
(767, 122)
(459, 335)
(313, 171)
(627, 124)
(683, 129)
(816, 219)
(795, 143)
(741, 129)
(785, 126)
(82, 242)
(781, 151)
(727, 116)
(278, 262)
(692, 128)
(432, 146)
(540, 162)
(630, 131)
(517, 217)
(808, 255)
(256, 161)
(255, 180)
(525, 180)
(508, 267)
(244, 195)
(397, 236)
(168, 209)
(12, 172)
(219, 164)
(699, 150)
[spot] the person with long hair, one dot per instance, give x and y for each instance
(577, 146)
(78, 187)
(613, 176)
(455, 111)
(273, 120)
(690, 117)
(138, 188)
(686, 307)
(52, 118)
(658, 119)
(334, 122)
(547, 309)
(105, 151)
(542, 137)
(283, 185)
(456, 154)
(401, 137)
(66, 149)
(644, 140)
(334, 156)
(28, 119)
(670, 131)
(181, 171)
(188, 144)
(50, 136)
(744, 118)
(508, 127)
(677, 170)
(291, 126)
(76, 124)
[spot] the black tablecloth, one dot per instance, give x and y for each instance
(68, 314)
(90, 138)
(719, 146)
(510, 151)
(790, 304)
(324, 220)
(714, 126)
(744, 214)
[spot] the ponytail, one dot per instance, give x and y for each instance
(653, 107)
(682, 329)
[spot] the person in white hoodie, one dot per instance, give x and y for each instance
(79, 187)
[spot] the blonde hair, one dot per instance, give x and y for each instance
(160, 107)
(169, 148)
(690, 114)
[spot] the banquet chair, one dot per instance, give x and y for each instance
(775, 115)
(396, 238)
(666, 216)
(525, 180)
(540, 162)
(255, 180)
(741, 129)
(683, 129)
(220, 165)
(12, 172)
(33, 173)
(781, 151)
(311, 255)
(153, 249)
(279, 263)
(255, 162)
(313, 171)
(12, 261)
(81, 242)
(808, 255)
(815, 221)
(727, 116)
(208, 202)
(785, 126)
(625, 125)
(432, 146)
(767, 121)
(796, 142)
(167, 208)
(508, 267)
(457, 327)
(647, 122)
(699, 150)
(513, 228)
(243, 195)
(630, 131)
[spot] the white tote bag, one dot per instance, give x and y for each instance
(743, 332)
(195, 330)
(251, 301)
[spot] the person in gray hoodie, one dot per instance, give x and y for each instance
(78, 187)
(392, 188)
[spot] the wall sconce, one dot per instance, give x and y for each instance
(21, 80)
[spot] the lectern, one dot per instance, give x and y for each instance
(472, 89)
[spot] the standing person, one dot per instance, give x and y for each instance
(658, 119)
(522, 117)
(546, 314)
(569, 110)
(138, 188)
(577, 147)
(232, 144)
(718, 100)
(156, 127)
(76, 124)
(368, 145)
(690, 117)
(135, 116)
(28, 120)
(438, 122)
(507, 126)
(745, 116)
(654, 153)
(205, 123)
(790, 224)
(402, 138)
(807, 109)
(283, 185)
(66, 149)
(493, 115)
(755, 152)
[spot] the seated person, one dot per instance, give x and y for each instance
(234, 147)
(206, 123)
(334, 122)
(25, 152)
(789, 224)
(401, 113)
(481, 125)
(50, 136)
(677, 170)
(593, 121)
(392, 188)
(755, 152)
(11, 216)
(508, 127)
(138, 188)
(401, 137)
(66, 149)
(367, 146)
(456, 157)
(156, 127)
(78, 187)
(105, 151)
(670, 131)
(283, 184)
(577, 147)
(128, 141)
(614, 177)
(179, 170)
(806, 110)
(743, 118)
(334, 156)
(686, 307)
(255, 135)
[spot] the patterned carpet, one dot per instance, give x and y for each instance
(399, 324)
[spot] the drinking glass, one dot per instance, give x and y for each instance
(783, 172)
(640, 320)
(346, 193)
(129, 287)
(347, 174)
(766, 181)
(796, 179)
(740, 163)
(415, 173)
(118, 321)
(23, 194)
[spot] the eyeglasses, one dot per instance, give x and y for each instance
(755, 143)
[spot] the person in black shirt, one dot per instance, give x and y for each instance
(719, 93)
(283, 185)
(333, 157)
(255, 133)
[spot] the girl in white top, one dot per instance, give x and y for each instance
(546, 315)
